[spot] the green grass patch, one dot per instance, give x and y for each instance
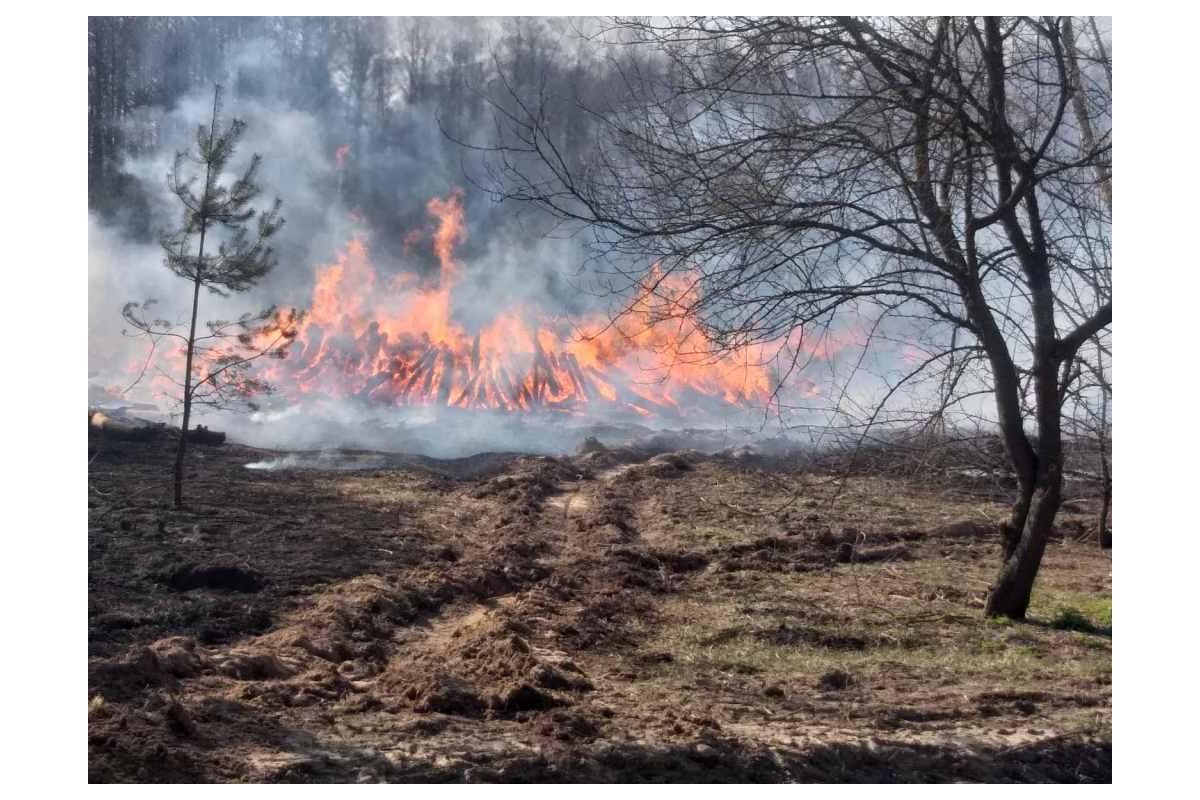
(1082, 612)
(1073, 619)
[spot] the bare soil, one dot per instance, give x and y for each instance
(605, 617)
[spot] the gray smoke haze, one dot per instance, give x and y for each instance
(381, 190)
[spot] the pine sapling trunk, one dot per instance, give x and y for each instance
(181, 452)
(191, 340)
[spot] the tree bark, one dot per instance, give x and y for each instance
(1103, 535)
(181, 451)
(1038, 502)
(1011, 593)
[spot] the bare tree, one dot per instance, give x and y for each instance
(216, 364)
(928, 171)
(1092, 395)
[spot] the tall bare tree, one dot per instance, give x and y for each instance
(807, 169)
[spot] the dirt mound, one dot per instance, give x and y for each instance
(663, 465)
(528, 481)
(835, 680)
(786, 553)
(350, 626)
(794, 635)
(965, 529)
(612, 514)
(248, 665)
(568, 726)
(484, 666)
(651, 569)
(124, 678)
(179, 656)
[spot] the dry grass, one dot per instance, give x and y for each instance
(868, 619)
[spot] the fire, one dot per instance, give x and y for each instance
(222, 363)
(339, 155)
(450, 231)
(396, 342)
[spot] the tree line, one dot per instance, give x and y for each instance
(384, 87)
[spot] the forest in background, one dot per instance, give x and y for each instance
(382, 90)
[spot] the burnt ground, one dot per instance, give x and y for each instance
(605, 617)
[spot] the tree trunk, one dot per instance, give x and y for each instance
(191, 341)
(1010, 531)
(1032, 521)
(1105, 534)
(1010, 594)
(181, 452)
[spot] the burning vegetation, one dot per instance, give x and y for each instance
(393, 340)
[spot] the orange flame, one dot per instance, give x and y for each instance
(395, 341)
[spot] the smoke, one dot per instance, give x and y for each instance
(329, 435)
(117, 269)
(337, 182)
(126, 267)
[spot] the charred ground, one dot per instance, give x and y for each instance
(616, 615)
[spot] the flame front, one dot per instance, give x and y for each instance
(395, 341)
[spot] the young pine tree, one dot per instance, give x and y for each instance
(222, 246)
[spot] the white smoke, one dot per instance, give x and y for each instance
(506, 264)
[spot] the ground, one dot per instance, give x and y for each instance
(611, 616)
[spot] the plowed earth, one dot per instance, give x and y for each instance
(612, 616)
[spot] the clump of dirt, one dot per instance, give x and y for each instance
(793, 635)
(803, 553)
(651, 569)
(994, 703)
(852, 554)
(965, 529)
(529, 482)
(603, 621)
(567, 726)
(446, 694)
(230, 578)
(663, 465)
(247, 665)
(128, 676)
(835, 680)
(349, 616)
(775, 553)
(612, 514)
(179, 656)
